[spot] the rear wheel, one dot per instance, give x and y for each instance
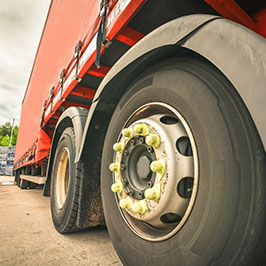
(65, 184)
(73, 193)
(187, 185)
(24, 184)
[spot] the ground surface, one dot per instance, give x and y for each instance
(27, 235)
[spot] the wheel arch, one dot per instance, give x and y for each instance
(194, 35)
(72, 117)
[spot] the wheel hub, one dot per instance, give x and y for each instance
(135, 167)
(155, 171)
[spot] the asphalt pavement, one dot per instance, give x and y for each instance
(27, 235)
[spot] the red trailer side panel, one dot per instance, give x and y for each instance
(68, 22)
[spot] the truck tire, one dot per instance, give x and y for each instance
(24, 184)
(74, 196)
(187, 180)
(17, 178)
(65, 184)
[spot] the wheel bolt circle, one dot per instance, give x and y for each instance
(127, 132)
(153, 193)
(158, 166)
(125, 203)
(141, 129)
(118, 147)
(139, 207)
(153, 140)
(114, 167)
(117, 187)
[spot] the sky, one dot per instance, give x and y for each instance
(21, 24)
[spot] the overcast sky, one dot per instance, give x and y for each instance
(21, 24)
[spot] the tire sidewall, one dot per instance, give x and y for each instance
(60, 216)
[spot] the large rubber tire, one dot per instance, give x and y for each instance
(81, 209)
(17, 178)
(227, 223)
(64, 218)
(24, 184)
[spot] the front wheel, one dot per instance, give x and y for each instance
(187, 179)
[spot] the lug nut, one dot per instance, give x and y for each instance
(153, 193)
(117, 187)
(141, 129)
(114, 167)
(139, 207)
(118, 147)
(127, 132)
(158, 166)
(153, 140)
(126, 203)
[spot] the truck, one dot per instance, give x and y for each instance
(149, 116)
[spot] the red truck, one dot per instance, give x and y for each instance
(149, 117)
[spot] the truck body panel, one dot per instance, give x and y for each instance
(68, 21)
(77, 22)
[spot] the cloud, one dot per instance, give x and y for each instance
(21, 24)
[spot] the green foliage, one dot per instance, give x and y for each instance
(5, 141)
(15, 135)
(5, 133)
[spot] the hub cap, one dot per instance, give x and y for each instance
(155, 171)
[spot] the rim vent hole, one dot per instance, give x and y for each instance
(169, 120)
(185, 187)
(183, 146)
(170, 218)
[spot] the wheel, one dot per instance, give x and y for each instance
(32, 185)
(73, 203)
(17, 178)
(23, 184)
(64, 195)
(187, 179)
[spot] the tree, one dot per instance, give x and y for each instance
(5, 141)
(15, 135)
(5, 129)
(5, 133)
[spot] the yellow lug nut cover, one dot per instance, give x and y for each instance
(117, 187)
(158, 166)
(139, 207)
(127, 132)
(125, 203)
(153, 193)
(118, 147)
(141, 129)
(114, 167)
(153, 140)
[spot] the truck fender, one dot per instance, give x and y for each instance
(240, 54)
(208, 37)
(72, 117)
